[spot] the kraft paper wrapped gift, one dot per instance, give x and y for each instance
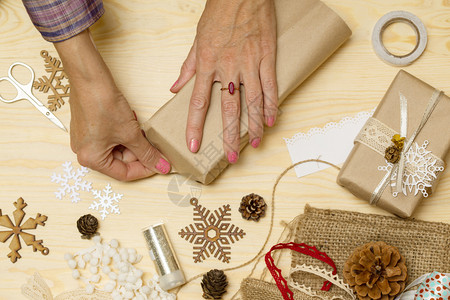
(366, 169)
(308, 32)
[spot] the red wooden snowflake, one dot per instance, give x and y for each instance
(212, 232)
(17, 230)
(60, 89)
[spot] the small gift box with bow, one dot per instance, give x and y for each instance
(398, 155)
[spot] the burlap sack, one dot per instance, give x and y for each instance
(425, 245)
(255, 289)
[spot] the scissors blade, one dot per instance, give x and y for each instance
(44, 110)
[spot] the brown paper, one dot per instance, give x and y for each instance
(360, 174)
(308, 32)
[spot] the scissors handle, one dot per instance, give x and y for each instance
(21, 95)
(27, 87)
(23, 90)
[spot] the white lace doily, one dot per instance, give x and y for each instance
(421, 169)
(331, 143)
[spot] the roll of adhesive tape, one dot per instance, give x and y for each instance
(394, 17)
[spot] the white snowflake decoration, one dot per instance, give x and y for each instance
(420, 170)
(107, 202)
(70, 182)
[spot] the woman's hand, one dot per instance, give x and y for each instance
(104, 132)
(235, 42)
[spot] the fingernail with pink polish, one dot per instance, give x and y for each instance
(194, 145)
(135, 116)
(232, 157)
(174, 85)
(270, 121)
(163, 166)
(255, 142)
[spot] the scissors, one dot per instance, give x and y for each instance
(24, 93)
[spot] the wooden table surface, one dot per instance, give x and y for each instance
(144, 44)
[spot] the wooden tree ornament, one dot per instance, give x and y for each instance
(17, 230)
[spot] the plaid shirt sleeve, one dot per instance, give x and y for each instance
(59, 20)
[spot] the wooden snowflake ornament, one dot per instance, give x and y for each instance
(211, 233)
(18, 230)
(60, 88)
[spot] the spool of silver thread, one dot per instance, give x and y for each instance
(163, 256)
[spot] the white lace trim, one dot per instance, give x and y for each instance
(361, 116)
(376, 135)
(37, 289)
(328, 275)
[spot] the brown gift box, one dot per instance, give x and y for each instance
(308, 32)
(360, 173)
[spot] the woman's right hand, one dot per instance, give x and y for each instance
(235, 43)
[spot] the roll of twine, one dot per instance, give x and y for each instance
(289, 226)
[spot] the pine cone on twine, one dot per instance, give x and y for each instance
(392, 154)
(214, 284)
(376, 271)
(252, 207)
(87, 225)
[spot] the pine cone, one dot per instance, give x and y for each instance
(392, 154)
(87, 225)
(398, 141)
(376, 271)
(252, 207)
(214, 284)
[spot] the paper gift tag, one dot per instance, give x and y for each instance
(436, 286)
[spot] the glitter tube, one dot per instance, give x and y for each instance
(163, 256)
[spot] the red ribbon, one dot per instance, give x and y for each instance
(301, 248)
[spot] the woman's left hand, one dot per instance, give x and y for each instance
(235, 42)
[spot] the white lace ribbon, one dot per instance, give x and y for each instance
(396, 177)
(328, 275)
(404, 117)
(37, 289)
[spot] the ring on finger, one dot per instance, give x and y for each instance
(231, 88)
